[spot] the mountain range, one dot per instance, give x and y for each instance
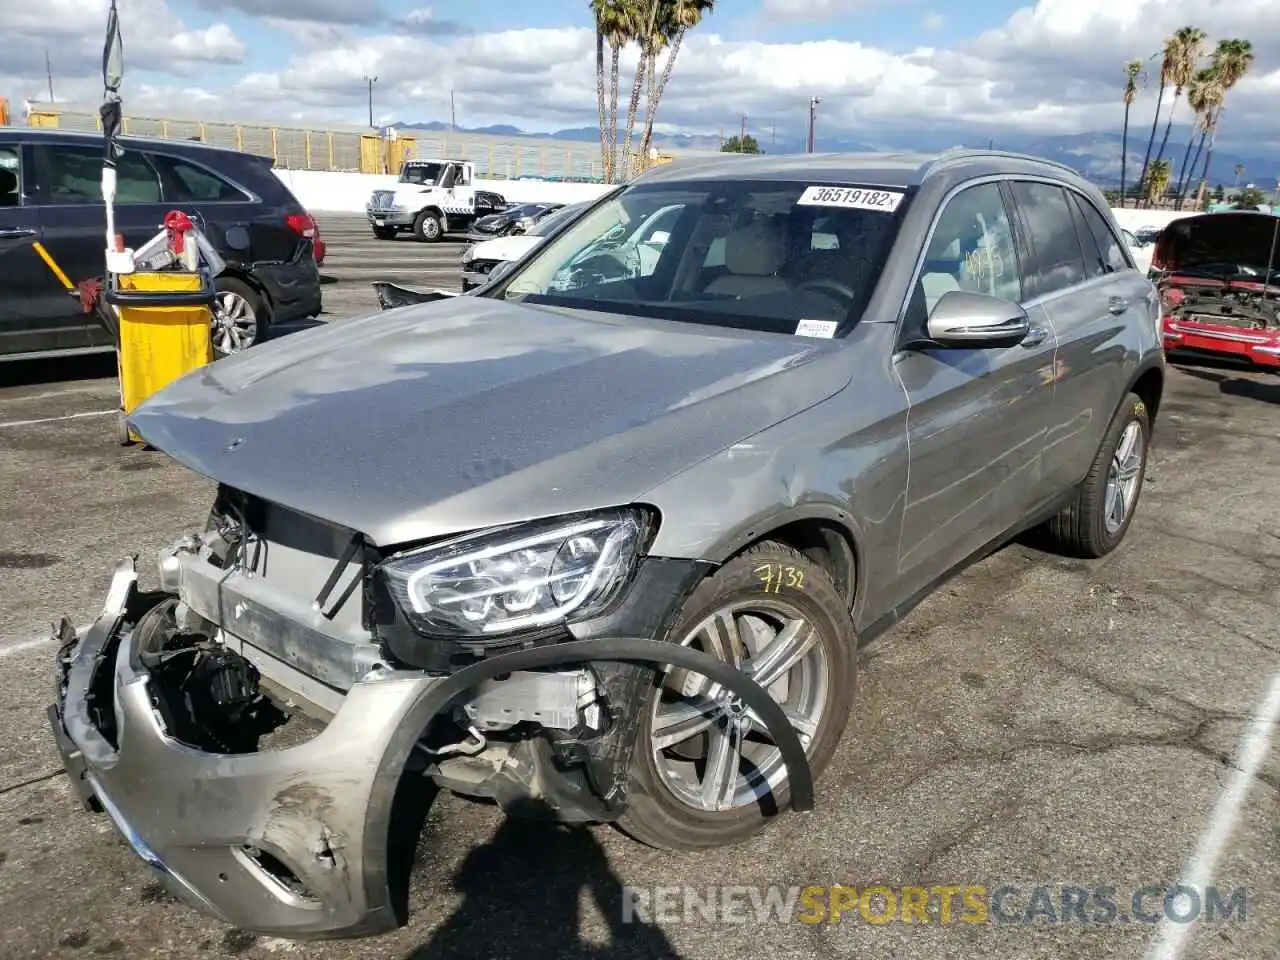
(1095, 155)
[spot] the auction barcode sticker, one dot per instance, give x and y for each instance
(855, 198)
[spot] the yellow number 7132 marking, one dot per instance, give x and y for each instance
(774, 576)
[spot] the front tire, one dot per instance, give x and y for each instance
(427, 227)
(1096, 522)
(702, 774)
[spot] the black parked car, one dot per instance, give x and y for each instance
(50, 192)
(515, 219)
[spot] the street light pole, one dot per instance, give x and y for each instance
(371, 81)
(813, 115)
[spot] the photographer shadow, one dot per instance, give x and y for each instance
(523, 893)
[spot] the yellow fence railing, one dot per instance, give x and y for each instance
(337, 149)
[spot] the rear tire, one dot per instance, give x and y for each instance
(427, 227)
(384, 233)
(663, 811)
(240, 317)
(1097, 521)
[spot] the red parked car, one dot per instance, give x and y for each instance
(1219, 281)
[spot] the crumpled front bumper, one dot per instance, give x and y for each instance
(203, 822)
(199, 820)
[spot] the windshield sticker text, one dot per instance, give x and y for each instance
(853, 198)
(826, 329)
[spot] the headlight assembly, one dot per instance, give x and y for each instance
(518, 578)
(469, 254)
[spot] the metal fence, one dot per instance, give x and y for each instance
(337, 148)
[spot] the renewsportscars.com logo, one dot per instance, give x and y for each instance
(939, 904)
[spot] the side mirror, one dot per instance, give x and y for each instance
(975, 321)
(501, 270)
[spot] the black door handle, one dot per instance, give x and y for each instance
(1117, 305)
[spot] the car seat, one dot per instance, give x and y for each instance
(753, 255)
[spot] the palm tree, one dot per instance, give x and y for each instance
(1232, 60)
(613, 20)
(683, 16)
(1170, 54)
(1188, 47)
(644, 29)
(1132, 70)
(1202, 94)
(1157, 181)
(1239, 171)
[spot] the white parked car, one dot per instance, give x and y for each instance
(481, 258)
(1141, 251)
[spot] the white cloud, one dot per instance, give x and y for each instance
(72, 32)
(1051, 68)
(815, 10)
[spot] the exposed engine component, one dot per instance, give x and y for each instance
(556, 700)
(1230, 306)
(208, 696)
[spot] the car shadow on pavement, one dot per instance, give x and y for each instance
(1236, 386)
(522, 896)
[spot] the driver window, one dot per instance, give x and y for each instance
(971, 249)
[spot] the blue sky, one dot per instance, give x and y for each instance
(890, 25)
(885, 69)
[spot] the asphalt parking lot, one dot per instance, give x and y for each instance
(1037, 722)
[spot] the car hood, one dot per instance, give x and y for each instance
(505, 248)
(1243, 237)
(438, 418)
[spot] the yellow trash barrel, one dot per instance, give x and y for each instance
(164, 332)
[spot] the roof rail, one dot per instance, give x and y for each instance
(955, 154)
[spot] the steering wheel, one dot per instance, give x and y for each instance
(602, 268)
(828, 287)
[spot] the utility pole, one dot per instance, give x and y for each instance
(48, 69)
(453, 113)
(371, 81)
(773, 135)
(742, 137)
(813, 116)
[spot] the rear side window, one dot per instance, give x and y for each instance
(1057, 261)
(185, 182)
(10, 178)
(74, 175)
(1103, 252)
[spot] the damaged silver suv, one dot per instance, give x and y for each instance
(604, 535)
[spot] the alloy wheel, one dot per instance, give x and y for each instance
(709, 750)
(235, 324)
(1123, 476)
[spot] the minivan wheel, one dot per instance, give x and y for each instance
(239, 316)
(704, 772)
(427, 227)
(1098, 519)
